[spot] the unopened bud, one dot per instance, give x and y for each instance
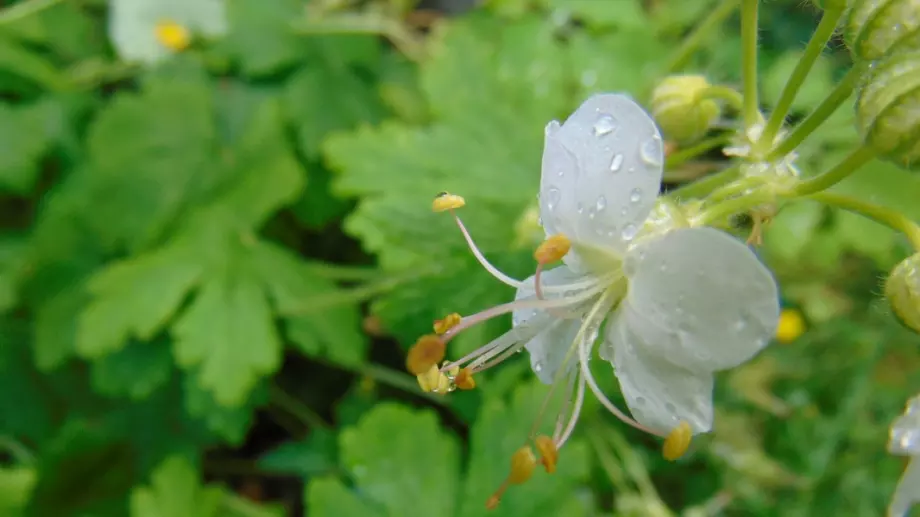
(874, 28)
(902, 288)
(888, 109)
(681, 108)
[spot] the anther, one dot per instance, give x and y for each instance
(464, 379)
(450, 321)
(428, 381)
(677, 441)
(552, 249)
(445, 201)
(428, 351)
(523, 463)
(549, 454)
(172, 35)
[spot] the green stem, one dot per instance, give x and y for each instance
(410, 45)
(685, 155)
(823, 181)
(704, 186)
(749, 61)
(891, 218)
(816, 45)
(734, 206)
(693, 40)
(817, 117)
(24, 10)
(390, 377)
(729, 95)
(296, 408)
(734, 188)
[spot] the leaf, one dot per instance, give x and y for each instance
(23, 142)
(613, 13)
(229, 423)
(314, 455)
(789, 233)
(24, 400)
(260, 36)
(811, 92)
(135, 371)
(15, 488)
(135, 298)
(56, 323)
(175, 489)
(326, 332)
(398, 457)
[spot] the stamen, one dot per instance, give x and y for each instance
(576, 412)
(445, 201)
(677, 442)
(428, 381)
(552, 249)
(426, 352)
(464, 380)
(449, 321)
(549, 453)
(523, 463)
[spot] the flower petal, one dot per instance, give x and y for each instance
(601, 172)
(701, 298)
(907, 493)
(659, 393)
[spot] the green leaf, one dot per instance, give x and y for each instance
(622, 61)
(135, 371)
(613, 13)
(229, 423)
(23, 142)
(329, 496)
(175, 489)
(56, 323)
(229, 333)
(815, 88)
(314, 455)
(24, 401)
(15, 488)
(135, 298)
(260, 36)
(789, 233)
(333, 332)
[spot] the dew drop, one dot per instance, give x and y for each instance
(538, 366)
(601, 203)
(580, 208)
(624, 211)
(670, 407)
(640, 401)
(605, 125)
(650, 151)
(552, 198)
(591, 213)
(616, 162)
(629, 232)
(740, 325)
(635, 195)
(561, 172)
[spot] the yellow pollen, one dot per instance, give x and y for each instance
(549, 454)
(450, 321)
(464, 379)
(428, 381)
(791, 326)
(445, 201)
(426, 352)
(677, 442)
(552, 249)
(172, 35)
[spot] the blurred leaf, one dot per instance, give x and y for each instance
(135, 371)
(175, 490)
(314, 455)
(23, 142)
(613, 13)
(231, 423)
(24, 404)
(260, 36)
(792, 229)
(815, 88)
(32, 67)
(15, 488)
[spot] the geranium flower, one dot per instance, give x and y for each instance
(905, 441)
(672, 303)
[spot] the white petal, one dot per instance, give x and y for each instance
(907, 493)
(701, 298)
(904, 439)
(659, 393)
(601, 172)
(132, 24)
(549, 347)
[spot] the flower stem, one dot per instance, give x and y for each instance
(891, 218)
(815, 46)
(726, 94)
(817, 117)
(749, 61)
(685, 155)
(736, 205)
(704, 186)
(856, 159)
(696, 37)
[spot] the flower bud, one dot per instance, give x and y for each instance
(875, 27)
(902, 288)
(681, 108)
(888, 108)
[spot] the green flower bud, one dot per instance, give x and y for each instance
(903, 291)
(681, 109)
(888, 108)
(875, 27)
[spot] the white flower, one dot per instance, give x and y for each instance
(150, 30)
(677, 303)
(905, 441)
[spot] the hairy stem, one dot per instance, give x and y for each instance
(704, 186)
(856, 159)
(685, 155)
(891, 218)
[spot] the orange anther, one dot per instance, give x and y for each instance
(450, 321)
(427, 351)
(552, 249)
(464, 379)
(549, 454)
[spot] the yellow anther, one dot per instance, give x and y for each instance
(552, 249)
(450, 321)
(445, 201)
(677, 442)
(549, 454)
(172, 35)
(425, 353)
(791, 326)
(464, 379)
(428, 381)
(523, 463)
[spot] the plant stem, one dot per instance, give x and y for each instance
(353, 295)
(815, 46)
(749, 61)
(817, 117)
(726, 94)
(733, 206)
(693, 40)
(407, 43)
(823, 181)
(704, 186)
(24, 10)
(296, 408)
(689, 153)
(891, 218)
(390, 377)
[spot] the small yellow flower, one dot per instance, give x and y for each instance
(172, 35)
(791, 326)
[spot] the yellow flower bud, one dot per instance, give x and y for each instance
(902, 288)
(681, 109)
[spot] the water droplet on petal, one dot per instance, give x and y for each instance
(629, 232)
(670, 407)
(605, 125)
(580, 207)
(740, 325)
(616, 162)
(635, 195)
(591, 213)
(650, 151)
(640, 401)
(601, 203)
(538, 367)
(561, 172)
(552, 198)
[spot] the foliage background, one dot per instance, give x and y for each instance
(210, 269)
